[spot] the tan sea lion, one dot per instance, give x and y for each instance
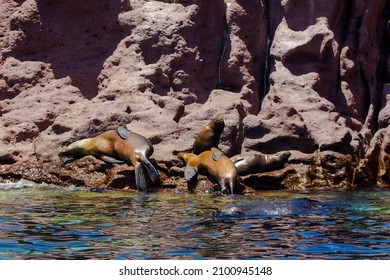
(255, 162)
(208, 136)
(118, 146)
(214, 164)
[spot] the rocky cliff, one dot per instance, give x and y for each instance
(308, 76)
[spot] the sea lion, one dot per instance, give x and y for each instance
(231, 211)
(118, 146)
(208, 136)
(214, 164)
(251, 163)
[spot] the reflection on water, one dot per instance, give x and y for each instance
(42, 222)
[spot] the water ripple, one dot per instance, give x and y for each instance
(39, 222)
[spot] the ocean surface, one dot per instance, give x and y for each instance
(49, 222)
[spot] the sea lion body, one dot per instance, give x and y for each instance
(251, 163)
(213, 163)
(112, 148)
(208, 136)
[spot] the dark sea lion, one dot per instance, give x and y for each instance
(231, 211)
(251, 163)
(208, 136)
(214, 164)
(118, 146)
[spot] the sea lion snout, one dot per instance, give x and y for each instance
(62, 153)
(74, 150)
(65, 152)
(184, 157)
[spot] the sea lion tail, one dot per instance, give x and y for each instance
(152, 172)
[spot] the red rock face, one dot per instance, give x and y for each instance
(307, 76)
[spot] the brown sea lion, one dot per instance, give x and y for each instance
(118, 146)
(255, 162)
(214, 164)
(208, 136)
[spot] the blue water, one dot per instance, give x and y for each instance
(46, 222)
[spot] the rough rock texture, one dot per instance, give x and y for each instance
(308, 76)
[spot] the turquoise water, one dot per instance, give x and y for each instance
(46, 222)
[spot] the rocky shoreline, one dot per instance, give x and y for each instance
(310, 77)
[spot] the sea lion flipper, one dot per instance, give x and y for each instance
(216, 154)
(123, 132)
(140, 179)
(152, 172)
(110, 159)
(190, 172)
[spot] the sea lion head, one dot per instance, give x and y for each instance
(208, 136)
(231, 211)
(217, 125)
(74, 150)
(283, 156)
(185, 157)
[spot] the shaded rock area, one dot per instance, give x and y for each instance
(307, 76)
